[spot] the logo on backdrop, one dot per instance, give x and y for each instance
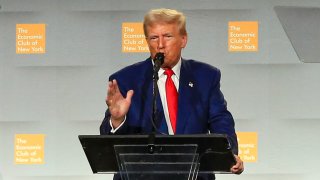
(243, 36)
(248, 146)
(30, 38)
(29, 149)
(133, 38)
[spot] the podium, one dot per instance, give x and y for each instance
(178, 157)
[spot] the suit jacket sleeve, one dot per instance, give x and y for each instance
(220, 119)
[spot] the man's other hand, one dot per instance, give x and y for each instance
(238, 168)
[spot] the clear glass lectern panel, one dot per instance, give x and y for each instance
(174, 162)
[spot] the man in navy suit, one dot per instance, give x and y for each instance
(201, 107)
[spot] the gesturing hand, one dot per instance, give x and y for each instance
(117, 104)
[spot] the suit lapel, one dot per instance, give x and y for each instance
(186, 81)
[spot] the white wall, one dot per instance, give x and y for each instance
(61, 93)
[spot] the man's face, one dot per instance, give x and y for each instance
(167, 39)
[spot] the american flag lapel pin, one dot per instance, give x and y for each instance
(190, 84)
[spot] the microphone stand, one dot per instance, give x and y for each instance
(159, 58)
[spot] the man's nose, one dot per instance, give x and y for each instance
(161, 43)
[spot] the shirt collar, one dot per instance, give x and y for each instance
(175, 69)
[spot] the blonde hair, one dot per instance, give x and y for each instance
(169, 16)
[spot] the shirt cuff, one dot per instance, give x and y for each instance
(114, 130)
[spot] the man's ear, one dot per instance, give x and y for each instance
(184, 40)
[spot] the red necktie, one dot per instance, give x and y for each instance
(172, 99)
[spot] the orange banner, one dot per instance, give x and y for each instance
(29, 149)
(243, 36)
(133, 38)
(30, 38)
(248, 146)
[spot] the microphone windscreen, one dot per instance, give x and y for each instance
(160, 58)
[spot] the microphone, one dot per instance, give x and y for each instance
(158, 61)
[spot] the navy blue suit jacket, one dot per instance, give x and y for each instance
(201, 105)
